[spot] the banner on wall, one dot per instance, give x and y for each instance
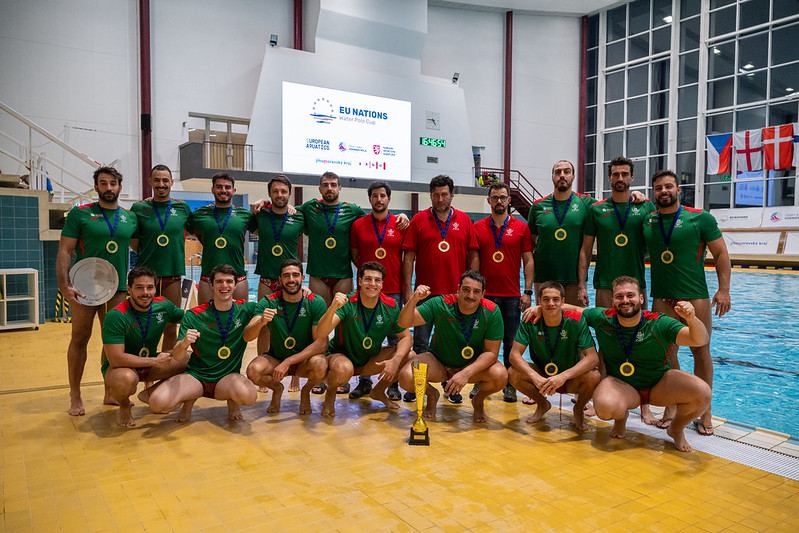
(749, 217)
(791, 244)
(752, 243)
(780, 217)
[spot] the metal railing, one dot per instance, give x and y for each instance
(227, 156)
(514, 179)
(66, 183)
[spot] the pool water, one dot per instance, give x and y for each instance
(755, 349)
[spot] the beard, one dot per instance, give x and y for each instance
(563, 185)
(500, 209)
(292, 288)
(621, 186)
(628, 312)
(666, 200)
(109, 196)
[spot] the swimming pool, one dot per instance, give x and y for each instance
(755, 349)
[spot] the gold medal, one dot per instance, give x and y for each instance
(330, 243)
(498, 256)
(380, 253)
(621, 240)
(560, 234)
(224, 352)
(162, 240)
(112, 247)
(290, 343)
(220, 242)
(367, 343)
(144, 352)
(667, 257)
(551, 369)
(627, 369)
(277, 250)
(443, 246)
(468, 352)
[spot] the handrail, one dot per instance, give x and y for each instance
(49, 135)
(227, 156)
(521, 184)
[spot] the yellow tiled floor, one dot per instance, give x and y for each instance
(283, 473)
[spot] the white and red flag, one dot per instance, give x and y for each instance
(796, 144)
(748, 154)
(778, 146)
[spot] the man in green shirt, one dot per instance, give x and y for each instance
(161, 240)
(291, 325)
(221, 228)
(362, 321)
(555, 343)
(467, 333)
(635, 346)
(677, 237)
(131, 332)
(101, 229)
(215, 333)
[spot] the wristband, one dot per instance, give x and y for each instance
(528, 293)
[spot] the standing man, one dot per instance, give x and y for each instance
(221, 228)
(468, 331)
(438, 242)
(291, 325)
(278, 235)
(100, 229)
(362, 321)
(131, 332)
(500, 243)
(215, 333)
(378, 237)
(617, 225)
(161, 241)
(635, 346)
(677, 237)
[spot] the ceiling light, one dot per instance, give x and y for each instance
(750, 75)
(789, 89)
(749, 65)
(716, 51)
(667, 19)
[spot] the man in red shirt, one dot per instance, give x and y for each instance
(438, 242)
(378, 237)
(499, 244)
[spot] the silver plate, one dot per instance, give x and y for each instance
(96, 278)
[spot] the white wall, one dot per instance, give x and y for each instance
(71, 67)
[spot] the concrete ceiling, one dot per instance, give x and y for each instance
(538, 7)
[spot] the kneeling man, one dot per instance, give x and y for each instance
(468, 331)
(291, 320)
(131, 332)
(362, 320)
(555, 342)
(215, 333)
(635, 346)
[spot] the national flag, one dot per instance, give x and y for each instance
(778, 146)
(748, 150)
(719, 148)
(796, 145)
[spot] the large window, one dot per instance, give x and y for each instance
(664, 74)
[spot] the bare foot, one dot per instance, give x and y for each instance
(233, 411)
(679, 440)
(294, 384)
(647, 416)
(478, 404)
(589, 409)
(305, 401)
(263, 389)
(76, 407)
(109, 400)
(380, 396)
(619, 428)
(274, 405)
(668, 415)
(329, 405)
(540, 411)
(579, 419)
(432, 403)
(185, 412)
(125, 416)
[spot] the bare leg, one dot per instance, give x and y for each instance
(204, 292)
(180, 388)
(320, 288)
(340, 371)
(520, 381)
(82, 322)
(314, 369)
(173, 294)
(379, 389)
(236, 390)
(436, 373)
(491, 380)
(158, 375)
(122, 383)
(185, 412)
(691, 396)
(670, 411)
(583, 386)
(613, 398)
(259, 371)
(242, 290)
(102, 310)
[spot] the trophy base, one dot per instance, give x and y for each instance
(421, 438)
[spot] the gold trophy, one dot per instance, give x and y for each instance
(420, 435)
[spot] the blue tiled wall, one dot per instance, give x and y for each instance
(20, 246)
